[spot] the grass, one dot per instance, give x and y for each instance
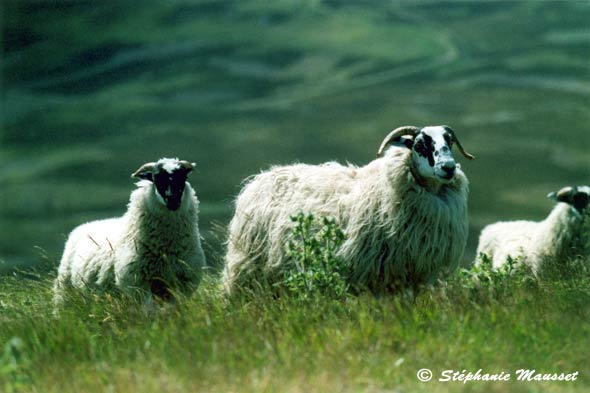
(476, 319)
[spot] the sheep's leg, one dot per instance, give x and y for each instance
(58, 296)
(159, 288)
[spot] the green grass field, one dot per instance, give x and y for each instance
(497, 323)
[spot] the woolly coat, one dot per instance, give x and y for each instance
(149, 246)
(532, 242)
(397, 231)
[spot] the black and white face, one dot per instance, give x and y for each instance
(578, 197)
(169, 178)
(432, 155)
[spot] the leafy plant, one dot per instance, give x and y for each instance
(500, 281)
(317, 270)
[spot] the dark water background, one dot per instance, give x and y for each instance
(93, 89)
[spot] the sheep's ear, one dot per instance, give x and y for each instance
(188, 166)
(145, 171)
(407, 141)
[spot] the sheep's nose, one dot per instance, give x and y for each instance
(449, 168)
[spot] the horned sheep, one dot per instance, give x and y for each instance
(404, 213)
(153, 249)
(535, 243)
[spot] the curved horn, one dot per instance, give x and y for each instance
(459, 146)
(145, 171)
(565, 192)
(189, 166)
(400, 131)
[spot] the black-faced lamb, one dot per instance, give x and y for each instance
(153, 249)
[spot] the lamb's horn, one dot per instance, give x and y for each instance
(144, 170)
(459, 146)
(565, 192)
(189, 166)
(401, 131)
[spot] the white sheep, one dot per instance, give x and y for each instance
(153, 249)
(532, 243)
(404, 213)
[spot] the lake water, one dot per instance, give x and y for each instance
(92, 90)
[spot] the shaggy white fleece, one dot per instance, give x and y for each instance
(146, 248)
(532, 242)
(397, 230)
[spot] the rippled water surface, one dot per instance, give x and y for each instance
(91, 90)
